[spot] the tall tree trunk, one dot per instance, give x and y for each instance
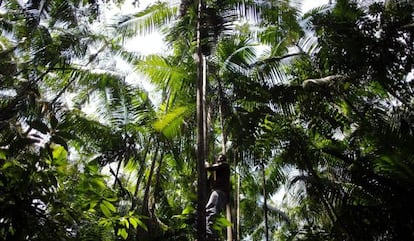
(223, 147)
(265, 203)
(157, 183)
(201, 157)
(221, 107)
(237, 199)
(229, 228)
(140, 173)
(145, 201)
(142, 234)
(117, 173)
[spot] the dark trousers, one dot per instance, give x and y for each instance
(216, 203)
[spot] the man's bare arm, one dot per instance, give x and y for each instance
(212, 167)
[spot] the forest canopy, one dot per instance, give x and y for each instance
(313, 110)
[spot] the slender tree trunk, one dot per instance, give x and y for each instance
(229, 228)
(265, 203)
(157, 224)
(157, 183)
(142, 234)
(116, 175)
(201, 158)
(221, 107)
(237, 203)
(205, 107)
(140, 173)
(145, 204)
(223, 147)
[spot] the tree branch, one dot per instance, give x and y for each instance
(322, 82)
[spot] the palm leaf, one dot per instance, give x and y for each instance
(161, 72)
(63, 12)
(146, 21)
(169, 124)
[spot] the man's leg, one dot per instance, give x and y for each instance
(215, 205)
(211, 212)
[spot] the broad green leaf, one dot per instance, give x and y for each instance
(111, 199)
(6, 165)
(133, 221)
(188, 210)
(141, 224)
(109, 205)
(222, 222)
(123, 233)
(124, 222)
(2, 155)
(59, 155)
(105, 210)
(93, 203)
(105, 222)
(98, 182)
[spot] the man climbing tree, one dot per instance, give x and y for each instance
(219, 181)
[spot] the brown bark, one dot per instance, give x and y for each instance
(201, 157)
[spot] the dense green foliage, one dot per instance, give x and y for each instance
(314, 107)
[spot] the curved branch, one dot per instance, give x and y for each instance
(322, 82)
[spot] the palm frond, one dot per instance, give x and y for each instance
(92, 134)
(152, 18)
(169, 124)
(318, 10)
(63, 12)
(169, 75)
(235, 54)
(161, 72)
(74, 42)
